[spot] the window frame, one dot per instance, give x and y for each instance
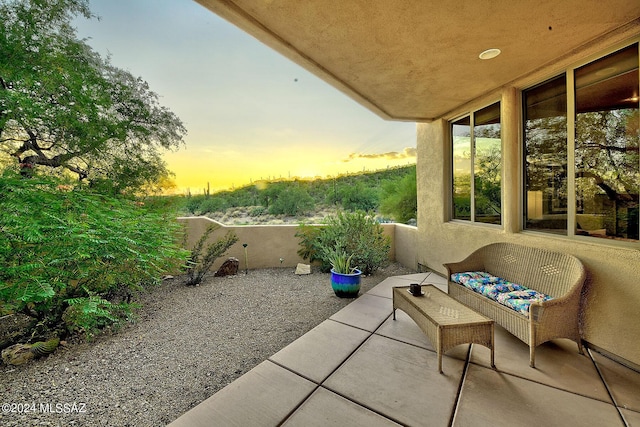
(569, 75)
(471, 115)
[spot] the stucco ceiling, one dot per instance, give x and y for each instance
(417, 60)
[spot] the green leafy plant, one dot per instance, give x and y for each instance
(89, 314)
(63, 245)
(202, 258)
(358, 197)
(355, 233)
(257, 211)
(291, 201)
(309, 236)
(399, 198)
(212, 204)
(340, 261)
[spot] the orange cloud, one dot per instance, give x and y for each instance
(408, 152)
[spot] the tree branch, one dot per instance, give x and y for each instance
(597, 146)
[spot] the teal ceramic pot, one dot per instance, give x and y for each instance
(346, 285)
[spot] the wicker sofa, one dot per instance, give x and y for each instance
(557, 275)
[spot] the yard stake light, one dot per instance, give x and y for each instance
(246, 259)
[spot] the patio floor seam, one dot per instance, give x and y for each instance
(610, 402)
(606, 386)
(293, 411)
(362, 404)
(296, 372)
(325, 387)
(460, 386)
(360, 328)
(336, 368)
(376, 295)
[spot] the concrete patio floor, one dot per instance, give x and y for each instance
(361, 368)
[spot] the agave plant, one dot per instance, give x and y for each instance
(340, 261)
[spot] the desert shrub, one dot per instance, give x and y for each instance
(358, 197)
(257, 211)
(66, 249)
(192, 205)
(92, 313)
(171, 204)
(399, 198)
(291, 201)
(310, 249)
(202, 258)
(212, 204)
(352, 232)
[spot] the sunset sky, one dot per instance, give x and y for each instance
(250, 113)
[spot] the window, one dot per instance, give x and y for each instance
(545, 155)
(477, 166)
(586, 182)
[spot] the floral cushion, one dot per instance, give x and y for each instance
(512, 295)
(520, 301)
(469, 275)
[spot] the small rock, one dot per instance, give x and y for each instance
(303, 269)
(228, 268)
(17, 354)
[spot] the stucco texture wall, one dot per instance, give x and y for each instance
(611, 317)
(268, 244)
(265, 244)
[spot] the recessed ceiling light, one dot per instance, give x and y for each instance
(490, 53)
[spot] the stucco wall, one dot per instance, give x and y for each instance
(405, 248)
(266, 244)
(611, 315)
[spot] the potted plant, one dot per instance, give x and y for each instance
(355, 233)
(345, 279)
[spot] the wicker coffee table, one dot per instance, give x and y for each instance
(444, 320)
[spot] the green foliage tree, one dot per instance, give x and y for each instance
(202, 258)
(399, 198)
(270, 193)
(71, 258)
(63, 106)
(358, 197)
(291, 201)
(488, 183)
(354, 233)
(212, 204)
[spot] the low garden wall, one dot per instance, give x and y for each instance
(277, 246)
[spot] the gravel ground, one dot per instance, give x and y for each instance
(187, 343)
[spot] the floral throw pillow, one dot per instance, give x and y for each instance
(509, 294)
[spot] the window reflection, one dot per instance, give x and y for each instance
(607, 162)
(487, 165)
(477, 166)
(607, 131)
(461, 135)
(545, 142)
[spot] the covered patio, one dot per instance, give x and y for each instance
(362, 368)
(434, 63)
